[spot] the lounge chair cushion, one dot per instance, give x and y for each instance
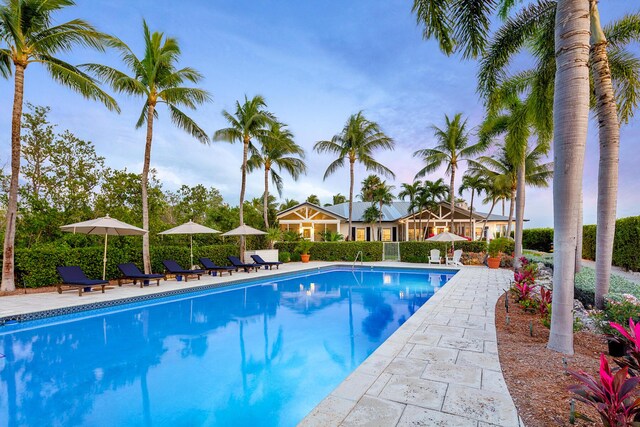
(258, 259)
(210, 265)
(130, 270)
(73, 275)
(174, 268)
(237, 263)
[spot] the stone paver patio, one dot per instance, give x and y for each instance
(440, 368)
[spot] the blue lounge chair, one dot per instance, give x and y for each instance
(235, 261)
(209, 266)
(74, 276)
(174, 268)
(130, 271)
(267, 264)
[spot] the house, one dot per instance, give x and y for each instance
(398, 223)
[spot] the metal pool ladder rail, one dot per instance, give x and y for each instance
(359, 254)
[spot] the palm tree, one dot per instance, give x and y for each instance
(494, 193)
(411, 191)
(29, 37)
(430, 196)
(477, 184)
(357, 141)
(465, 25)
(288, 203)
(371, 215)
(278, 149)
(313, 199)
(616, 82)
(249, 122)
(368, 186)
(451, 149)
(156, 78)
(502, 171)
(383, 196)
(339, 198)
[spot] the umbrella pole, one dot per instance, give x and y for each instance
(191, 240)
(104, 259)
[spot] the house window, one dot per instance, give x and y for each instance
(386, 234)
(360, 235)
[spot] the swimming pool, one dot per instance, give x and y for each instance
(259, 354)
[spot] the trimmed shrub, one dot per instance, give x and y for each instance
(284, 256)
(336, 251)
(476, 246)
(627, 243)
(589, 242)
(37, 267)
(419, 251)
(538, 239)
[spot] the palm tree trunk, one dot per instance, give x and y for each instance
(243, 186)
(579, 233)
(265, 198)
(609, 135)
(486, 219)
(511, 209)
(380, 223)
(421, 232)
(144, 179)
(571, 116)
(8, 276)
(452, 198)
(503, 207)
(471, 216)
(520, 202)
(415, 231)
(351, 177)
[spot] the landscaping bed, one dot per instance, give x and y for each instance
(536, 376)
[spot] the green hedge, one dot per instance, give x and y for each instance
(538, 239)
(589, 242)
(336, 251)
(419, 251)
(37, 267)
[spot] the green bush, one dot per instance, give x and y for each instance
(336, 251)
(627, 243)
(589, 242)
(538, 239)
(419, 251)
(284, 256)
(501, 245)
(37, 267)
(476, 246)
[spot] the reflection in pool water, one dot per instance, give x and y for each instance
(263, 354)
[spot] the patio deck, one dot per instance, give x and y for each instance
(439, 368)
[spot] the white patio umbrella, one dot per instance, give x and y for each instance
(244, 230)
(106, 226)
(446, 237)
(190, 228)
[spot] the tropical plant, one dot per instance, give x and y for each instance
(278, 149)
(502, 170)
(476, 183)
(356, 143)
(250, 122)
(313, 199)
(615, 81)
(411, 191)
(288, 203)
(464, 25)
(304, 246)
(273, 235)
(430, 195)
(338, 198)
(331, 236)
(497, 247)
(371, 215)
(383, 196)
(451, 149)
(368, 186)
(157, 79)
(291, 236)
(29, 37)
(614, 396)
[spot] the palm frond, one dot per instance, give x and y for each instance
(187, 124)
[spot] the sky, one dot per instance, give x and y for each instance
(316, 63)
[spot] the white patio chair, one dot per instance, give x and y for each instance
(434, 258)
(455, 259)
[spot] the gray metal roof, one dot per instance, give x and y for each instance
(392, 212)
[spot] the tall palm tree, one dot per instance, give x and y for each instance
(411, 191)
(338, 198)
(476, 183)
(288, 203)
(368, 186)
(465, 25)
(356, 143)
(616, 83)
(502, 170)
(383, 196)
(279, 150)
(314, 199)
(451, 149)
(516, 121)
(30, 37)
(156, 78)
(430, 195)
(249, 122)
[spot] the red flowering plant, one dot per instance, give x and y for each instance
(545, 301)
(631, 340)
(614, 396)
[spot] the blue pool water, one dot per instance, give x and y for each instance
(261, 354)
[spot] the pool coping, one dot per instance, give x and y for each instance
(29, 315)
(441, 367)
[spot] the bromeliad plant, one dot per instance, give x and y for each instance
(630, 338)
(545, 301)
(614, 396)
